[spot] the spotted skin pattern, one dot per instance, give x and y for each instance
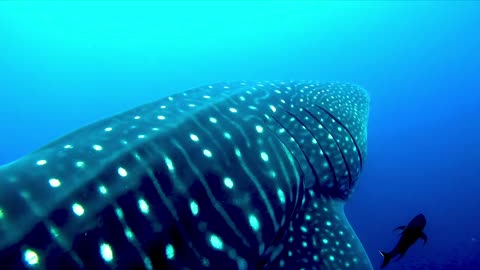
(240, 175)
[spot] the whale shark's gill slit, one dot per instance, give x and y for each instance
(330, 164)
(350, 179)
(304, 174)
(300, 191)
(299, 146)
(284, 144)
(327, 158)
(346, 129)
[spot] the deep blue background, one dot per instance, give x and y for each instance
(64, 65)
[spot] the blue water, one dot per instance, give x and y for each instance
(64, 65)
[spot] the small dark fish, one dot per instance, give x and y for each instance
(410, 234)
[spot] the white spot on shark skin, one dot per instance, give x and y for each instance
(129, 233)
(30, 257)
(169, 164)
(170, 252)
(264, 156)
(194, 208)
(106, 252)
(237, 152)
(233, 110)
(259, 128)
(228, 182)
(119, 212)
(206, 97)
(213, 120)
(281, 195)
(108, 129)
(97, 147)
(194, 137)
(78, 209)
(122, 172)
(161, 117)
(79, 164)
(143, 206)
(207, 153)
(41, 162)
(54, 182)
(102, 189)
(254, 223)
(273, 108)
(216, 242)
(68, 146)
(136, 117)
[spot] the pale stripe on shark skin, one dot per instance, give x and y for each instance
(214, 202)
(238, 175)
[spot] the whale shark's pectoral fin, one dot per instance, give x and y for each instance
(423, 236)
(321, 238)
(400, 228)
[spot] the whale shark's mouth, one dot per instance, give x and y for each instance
(231, 175)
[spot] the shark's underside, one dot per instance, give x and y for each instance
(225, 176)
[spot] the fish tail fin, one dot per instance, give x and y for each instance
(386, 258)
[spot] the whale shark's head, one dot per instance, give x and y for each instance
(329, 126)
(224, 176)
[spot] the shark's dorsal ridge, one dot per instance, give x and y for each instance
(241, 175)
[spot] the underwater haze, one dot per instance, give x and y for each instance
(67, 64)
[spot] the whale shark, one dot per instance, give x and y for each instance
(232, 175)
